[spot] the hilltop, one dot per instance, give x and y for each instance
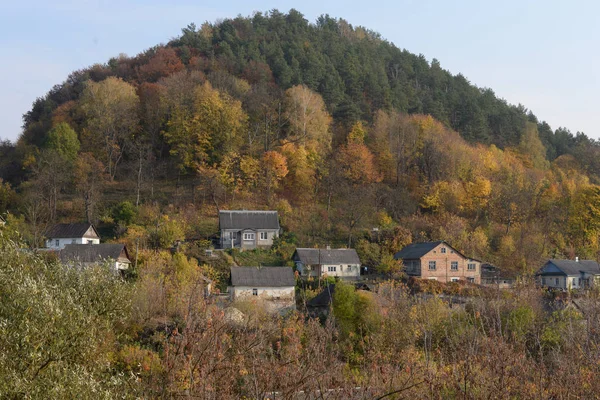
(332, 125)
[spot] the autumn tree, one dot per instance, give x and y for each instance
(308, 119)
(63, 139)
(111, 107)
(275, 169)
(89, 178)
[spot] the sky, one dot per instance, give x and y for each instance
(542, 54)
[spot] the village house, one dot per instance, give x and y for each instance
(315, 263)
(94, 254)
(439, 261)
(275, 286)
(62, 234)
(569, 274)
(493, 276)
(244, 229)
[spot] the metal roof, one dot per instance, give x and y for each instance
(262, 276)
(570, 267)
(76, 230)
(244, 219)
(91, 253)
(416, 250)
(326, 256)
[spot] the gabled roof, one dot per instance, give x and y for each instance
(323, 299)
(244, 219)
(416, 250)
(91, 253)
(570, 267)
(262, 276)
(326, 256)
(77, 230)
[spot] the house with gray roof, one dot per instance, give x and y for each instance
(273, 286)
(59, 235)
(248, 229)
(439, 261)
(315, 263)
(569, 274)
(94, 254)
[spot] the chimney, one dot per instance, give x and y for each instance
(576, 259)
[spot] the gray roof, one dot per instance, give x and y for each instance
(72, 231)
(243, 219)
(416, 250)
(91, 253)
(326, 256)
(323, 299)
(570, 267)
(262, 276)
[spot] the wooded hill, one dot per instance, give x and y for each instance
(335, 127)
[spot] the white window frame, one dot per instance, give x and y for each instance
(556, 281)
(254, 292)
(57, 242)
(472, 267)
(454, 279)
(443, 250)
(453, 264)
(331, 268)
(249, 236)
(432, 264)
(471, 279)
(264, 235)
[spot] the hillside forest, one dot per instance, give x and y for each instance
(356, 143)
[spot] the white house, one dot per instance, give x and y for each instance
(569, 274)
(342, 263)
(245, 229)
(62, 234)
(92, 254)
(275, 286)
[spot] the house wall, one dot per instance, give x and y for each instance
(342, 271)
(62, 242)
(554, 281)
(239, 242)
(443, 264)
(275, 298)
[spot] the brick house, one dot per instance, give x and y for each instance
(439, 261)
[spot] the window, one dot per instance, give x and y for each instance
(432, 265)
(248, 236)
(90, 242)
(264, 236)
(454, 265)
(331, 269)
(254, 292)
(349, 267)
(556, 280)
(73, 241)
(57, 242)
(471, 266)
(543, 281)
(443, 250)
(453, 279)
(472, 280)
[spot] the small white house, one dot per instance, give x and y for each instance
(248, 229)
(275, 286)
(569, 274)
(62, 234)
(94, 254)
(342, 263)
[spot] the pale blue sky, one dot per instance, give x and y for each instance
(543, 54)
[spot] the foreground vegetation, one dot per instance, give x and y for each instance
(68, 333)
